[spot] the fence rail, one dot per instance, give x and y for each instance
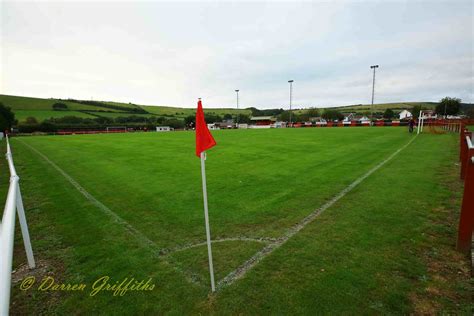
(466, 220)
(13, 205)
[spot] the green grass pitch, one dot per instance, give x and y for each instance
(362, 255)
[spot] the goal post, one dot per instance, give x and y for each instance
(420, 123)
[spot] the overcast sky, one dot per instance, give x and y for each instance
(165, 53)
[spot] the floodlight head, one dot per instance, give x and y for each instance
(237, 90)
(374, 66)
(290, 81)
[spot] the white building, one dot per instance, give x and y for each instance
(404, 115)
(212, 126)
(364, 120)
(279, 124)
(163, 128)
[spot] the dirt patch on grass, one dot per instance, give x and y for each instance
(42, 269)
(33, 301)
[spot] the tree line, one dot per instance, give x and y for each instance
(73, 122)
(446, 106)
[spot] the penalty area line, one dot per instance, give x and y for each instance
(267, 250)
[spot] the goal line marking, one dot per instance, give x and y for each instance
(267, 250)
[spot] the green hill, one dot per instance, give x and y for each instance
(397, 107)
(42, 109)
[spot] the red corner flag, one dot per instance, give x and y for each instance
(204, 139)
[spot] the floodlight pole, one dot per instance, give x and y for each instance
(373, 89)
(291, 96)
(237, 92)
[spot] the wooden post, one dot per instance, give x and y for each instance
(464, 154)
(461, 139)
(466, 220)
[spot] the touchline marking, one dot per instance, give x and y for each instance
(139, 235)
(267, 250)
(115, 217)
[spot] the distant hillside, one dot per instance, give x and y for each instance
(42, 109)
(397, 107)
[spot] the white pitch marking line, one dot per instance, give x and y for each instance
(255, 259)
(267, 250)
(166, 252)
(132, 230)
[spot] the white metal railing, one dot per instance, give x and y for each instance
(470, 145)
(7, 233)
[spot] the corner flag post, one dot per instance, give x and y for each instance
(206, 217)
(204, 141)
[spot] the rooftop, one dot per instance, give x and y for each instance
(261, 118)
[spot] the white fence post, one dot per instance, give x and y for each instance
(13, 205)
(24, 228)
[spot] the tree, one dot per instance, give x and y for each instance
(31, 120)
(448, 106)
(415, 111)
(227, 116)
(174, 123)
(7, 117)
(59, 106)
(190, 121)
(104, 120)
(212, 118)
(332, 115)
(388, 114)
(308, 114)
(313, 112)
(470, 112)
(242, 119)
(285, 116)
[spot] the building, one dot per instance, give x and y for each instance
(212, 127)
(163, 129)
(262, 120)
(364, 119)
(429, 114)
(279, 125)
(404, 115)
(228, 124)
(349, 117)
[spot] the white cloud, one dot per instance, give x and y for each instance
(171, 53)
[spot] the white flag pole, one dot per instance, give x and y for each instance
(206, 216)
